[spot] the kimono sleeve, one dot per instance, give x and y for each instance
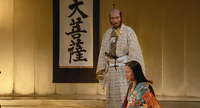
(135, 52)
(140, 103)
(102, 65)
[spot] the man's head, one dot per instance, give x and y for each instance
(115, 18)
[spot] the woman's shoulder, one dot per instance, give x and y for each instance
(143, 86)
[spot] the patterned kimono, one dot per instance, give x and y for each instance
(114, 77)
(140, 97)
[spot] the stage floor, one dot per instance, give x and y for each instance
(85, 101)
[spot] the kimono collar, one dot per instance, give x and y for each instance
(119, 30)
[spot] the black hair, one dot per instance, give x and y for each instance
(120, 13)
(138, 73)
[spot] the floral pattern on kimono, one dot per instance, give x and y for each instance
(140, 97)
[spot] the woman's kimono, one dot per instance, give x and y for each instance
(140, 97)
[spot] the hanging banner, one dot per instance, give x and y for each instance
(76, 34)
(75, 41)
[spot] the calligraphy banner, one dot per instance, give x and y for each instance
(76, 34)
(76, 41)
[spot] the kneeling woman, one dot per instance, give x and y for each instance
(140, 93)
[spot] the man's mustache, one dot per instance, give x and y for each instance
(116, 23)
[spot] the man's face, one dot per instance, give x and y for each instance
(115, 19)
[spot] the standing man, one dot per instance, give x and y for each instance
(119, 45)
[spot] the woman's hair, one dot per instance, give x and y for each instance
(138, 73)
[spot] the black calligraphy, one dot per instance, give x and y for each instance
(76, 33)
(75, 8)
(76, 27)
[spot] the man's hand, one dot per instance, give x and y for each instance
(100, 75)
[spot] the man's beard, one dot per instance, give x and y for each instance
(120, 23)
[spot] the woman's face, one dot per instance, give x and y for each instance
(129, 74)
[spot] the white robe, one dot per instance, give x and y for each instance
(115, 80)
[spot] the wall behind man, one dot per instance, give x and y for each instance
(167, 32)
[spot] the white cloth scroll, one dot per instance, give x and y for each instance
(76, 34)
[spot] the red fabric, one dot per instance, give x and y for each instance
(125, 102)
(151, 100)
